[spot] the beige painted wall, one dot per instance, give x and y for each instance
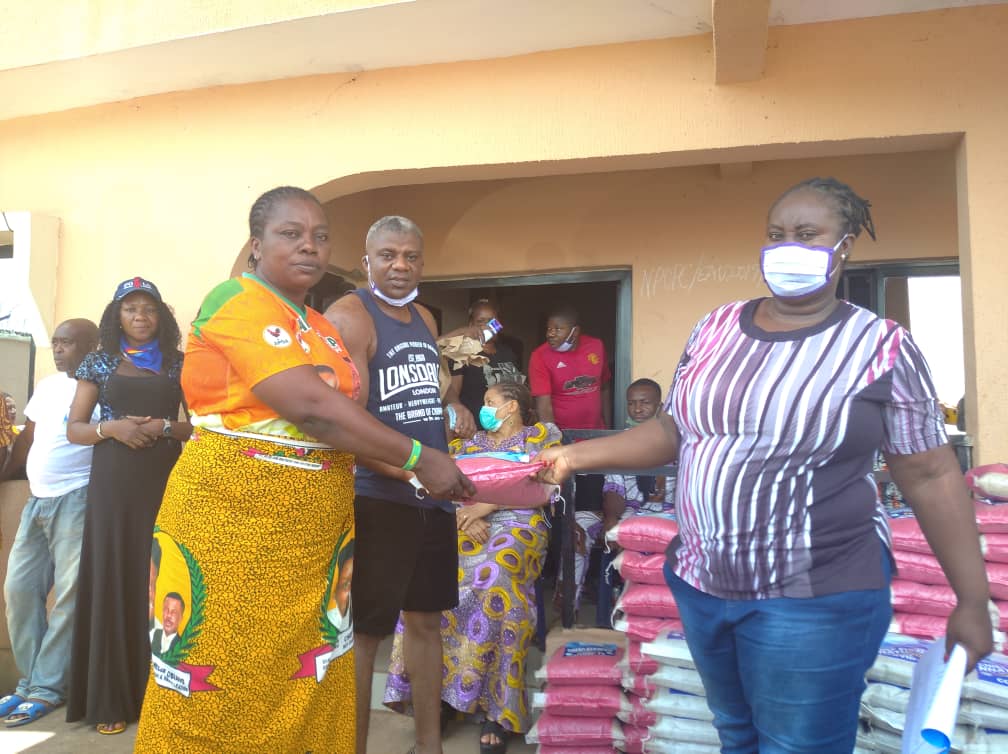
(161, 186)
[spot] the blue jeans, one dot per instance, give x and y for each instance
(783, 674)
(45, 555)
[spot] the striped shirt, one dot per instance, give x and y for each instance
(775, 496)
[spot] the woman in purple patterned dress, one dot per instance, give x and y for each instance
(485, 639)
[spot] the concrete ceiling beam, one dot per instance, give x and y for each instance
(740, 39)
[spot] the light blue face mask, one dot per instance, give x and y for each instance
(488, 419)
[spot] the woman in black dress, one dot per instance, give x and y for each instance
(134, 378)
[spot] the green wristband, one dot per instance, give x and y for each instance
(414, 456)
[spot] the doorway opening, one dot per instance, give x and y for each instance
(601, 297)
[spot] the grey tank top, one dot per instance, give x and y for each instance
(404, 394)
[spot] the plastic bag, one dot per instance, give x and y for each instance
(991, 518)
(994, 547)
(503, 482)
(907, 535)
(636, 662)
(672, 703)
(560, 749)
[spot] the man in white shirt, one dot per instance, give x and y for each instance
(46, 551)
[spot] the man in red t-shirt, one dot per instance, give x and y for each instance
(570, 381)
(569, 376)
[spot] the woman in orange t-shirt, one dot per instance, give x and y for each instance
(256, 527)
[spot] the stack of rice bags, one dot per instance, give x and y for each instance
(580, 702)
(982, 725)
(921, 596)
(666, 710)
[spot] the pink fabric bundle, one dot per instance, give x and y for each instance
(641, 567)
(583, 701)
(582, 664)
(505, 483)
(645, 533)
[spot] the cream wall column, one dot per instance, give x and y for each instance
(981, 175)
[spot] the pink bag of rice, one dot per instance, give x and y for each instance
(648, 600)
(569, 731)
(922, 626)
(639, 628)
(994, 547)
(580, 701)
(992, 519)
(1002, 617)
(989, 481)
(636, 661)
(927, 599)
(641, 567)
(997, 575)
(634, 737)
(505, 483)
(907, 535)
(582, 664)
(919, 567)
(635, 712)
(638, 685)
(645, 533)
(552, 749)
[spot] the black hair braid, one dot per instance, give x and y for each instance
(169, 336)
(854, 210)
(514, 391)
(263, 207)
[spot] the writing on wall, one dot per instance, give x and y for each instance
(685, 276)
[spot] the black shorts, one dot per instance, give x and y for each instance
(405, 558)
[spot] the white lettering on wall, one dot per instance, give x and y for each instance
(685, 276)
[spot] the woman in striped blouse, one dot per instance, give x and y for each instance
(782, 566)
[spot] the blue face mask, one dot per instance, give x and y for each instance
(488, 418)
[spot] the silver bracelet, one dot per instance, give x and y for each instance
(98, 431)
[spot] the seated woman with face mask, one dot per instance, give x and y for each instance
(486, 638)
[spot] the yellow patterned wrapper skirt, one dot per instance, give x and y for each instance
(250, 618)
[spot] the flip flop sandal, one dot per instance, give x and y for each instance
(9, 702)
(110, 729)
(28, 712)
(489, 727)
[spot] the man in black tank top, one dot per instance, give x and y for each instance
(406, 552)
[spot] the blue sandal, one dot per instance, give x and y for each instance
(9, 702)
(28, 712)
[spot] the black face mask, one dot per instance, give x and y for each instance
(647, 485)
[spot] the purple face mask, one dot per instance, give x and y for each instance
(793, 271)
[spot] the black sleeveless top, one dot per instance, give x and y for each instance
(404, 393)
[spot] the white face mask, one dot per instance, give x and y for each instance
(568, 342)
(793, 271)
(388, 299)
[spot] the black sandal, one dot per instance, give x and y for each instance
(492, 728)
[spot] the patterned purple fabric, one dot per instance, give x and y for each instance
(485, 639)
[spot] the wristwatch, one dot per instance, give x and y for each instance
(167, 428)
